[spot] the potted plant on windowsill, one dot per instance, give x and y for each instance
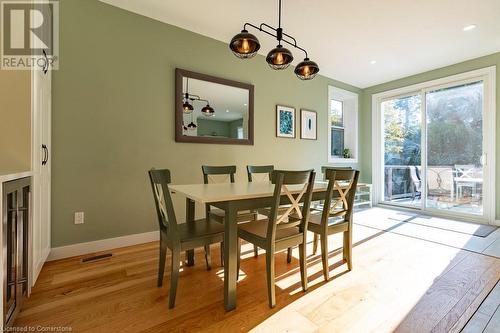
(347, 153)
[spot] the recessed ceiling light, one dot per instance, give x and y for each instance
(227, 110)
(245, 104)
(470, 27)
(373, 62)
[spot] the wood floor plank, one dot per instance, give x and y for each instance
(460, 314)
(494, 324)
(445, 293)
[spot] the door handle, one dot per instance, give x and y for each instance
(483, 159)
(45, 158)
(46, 63)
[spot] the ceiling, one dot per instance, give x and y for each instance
(404, 37)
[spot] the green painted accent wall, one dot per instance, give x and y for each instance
(113, 118)
(209, 127)
(366, 108)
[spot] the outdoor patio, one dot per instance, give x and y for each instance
(456, 188)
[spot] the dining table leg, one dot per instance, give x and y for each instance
(230, 257)
(190, 206)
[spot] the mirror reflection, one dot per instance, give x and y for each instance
(214, 110)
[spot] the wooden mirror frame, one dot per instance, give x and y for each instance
(179, 74)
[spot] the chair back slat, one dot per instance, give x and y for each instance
(259, 169)
(286, 182)
(163, 201)
(344, 182)
(209, 171)
(292, 177)
(325, 168)
(464, 170)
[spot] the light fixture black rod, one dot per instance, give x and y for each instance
(195, 98)
(294, 44)
(279, 13)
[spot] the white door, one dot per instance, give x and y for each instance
(41, 83)
(41, 99)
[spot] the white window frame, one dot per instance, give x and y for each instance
(350, 101)
(488, 76)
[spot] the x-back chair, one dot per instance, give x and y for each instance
(336, 215)
(178, 237)
(279, 232)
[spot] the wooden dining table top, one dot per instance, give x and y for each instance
(206, 193)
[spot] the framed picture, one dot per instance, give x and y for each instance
(308, 125)
(285, 121)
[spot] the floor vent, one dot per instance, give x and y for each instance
(97, 258)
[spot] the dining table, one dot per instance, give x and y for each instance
(232, 198)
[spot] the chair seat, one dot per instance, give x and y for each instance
(259, 228)
(219, 215)
(314, 222)
(200, 229)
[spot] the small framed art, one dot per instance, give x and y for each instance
(285, 121)
(308, 125)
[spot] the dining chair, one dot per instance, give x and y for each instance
(267, 169)
(178, 237)
(336, 215)
(416, 183)
(324, 168)
(227, 172)
(279, 232)
(259, 169)
(318, 205)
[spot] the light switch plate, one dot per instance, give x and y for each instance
(79, 218)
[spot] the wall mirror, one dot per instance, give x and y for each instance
(209, 109)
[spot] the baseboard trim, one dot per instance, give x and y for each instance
(101, 245)
(39, 265)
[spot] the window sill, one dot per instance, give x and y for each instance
(342, 160)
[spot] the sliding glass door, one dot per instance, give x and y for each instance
(402, 133)
(454, 169)
(433, 145)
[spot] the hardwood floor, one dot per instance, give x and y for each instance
(398, 283)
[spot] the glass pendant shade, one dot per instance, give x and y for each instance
(191, 125)
(208, 111)
(279, 58)
(187, 108)
(306, 69)
(244, 45)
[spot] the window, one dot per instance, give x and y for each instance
(240, 132)
(342, 126)
(337, 113)
(337, 128)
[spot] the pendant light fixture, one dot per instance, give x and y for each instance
(188, 108)
(245, 45)
(191, 125)
(207, 111)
